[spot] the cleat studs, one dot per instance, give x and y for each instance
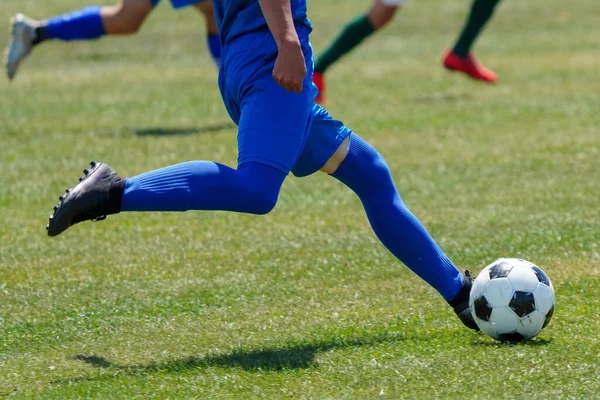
(80, 179)
(93, 164)
(55, 208)
(67, 191)
(61, 197)
(86, 171)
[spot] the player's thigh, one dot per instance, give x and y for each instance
(126, 16)
(274, 124)
(324, 148)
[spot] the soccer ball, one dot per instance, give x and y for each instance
(512, 300)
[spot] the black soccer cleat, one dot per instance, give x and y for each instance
(460, 304)
(97, 195)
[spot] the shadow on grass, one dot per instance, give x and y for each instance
(537, 342)
(440, 98)
(292, 357)
(166, 131)
(184, 131)
(264, 360)
(301, 356)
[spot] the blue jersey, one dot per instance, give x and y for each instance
(238, 17)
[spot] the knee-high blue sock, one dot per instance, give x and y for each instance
(204, 185)
(365, 172)
(83, 24)
(214, 45)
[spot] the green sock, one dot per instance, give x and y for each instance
(481, 12)
(352, 34)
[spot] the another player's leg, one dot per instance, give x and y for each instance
(460, 57)
(88, 23)
(351, 36)
(212, 31)
(360, 167)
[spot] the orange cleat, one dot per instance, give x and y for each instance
(468, 65)
(319, 81)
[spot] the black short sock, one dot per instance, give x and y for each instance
(41, 34)
(116, 195)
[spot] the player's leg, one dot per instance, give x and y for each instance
(273, 125)
(268, 148)
(91, 22)
(272, 128)
(360, 167)
(460, 57)
(334, 149)
(252, 188)
(357, 30)
(196, 185)
(212, 31)
(265, 158)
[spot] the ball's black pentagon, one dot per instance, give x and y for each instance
(548, 317)
(541, 275)
(522, 303)
(514, 337)
(483, 309)
(500, 270)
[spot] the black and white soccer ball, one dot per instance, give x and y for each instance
(512, 300)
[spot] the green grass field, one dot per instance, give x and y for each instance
(304, 302)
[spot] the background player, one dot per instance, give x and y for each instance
(266, 84)
(93, 22)
(383, 11)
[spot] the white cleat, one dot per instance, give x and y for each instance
(21, 43)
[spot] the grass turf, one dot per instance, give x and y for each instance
(305, 302)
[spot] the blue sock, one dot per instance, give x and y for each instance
(214, 45)
(365, 172)
(204, 185)
(83, 24)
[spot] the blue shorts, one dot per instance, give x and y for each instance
(179, 3)
(282, 129)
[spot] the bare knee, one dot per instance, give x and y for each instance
(383, 12)
(125, 18)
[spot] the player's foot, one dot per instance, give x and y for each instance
(461, 303)
(97, 195)
(319, 81)
(469, 66)
(21, 42)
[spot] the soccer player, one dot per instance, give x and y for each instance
(266, 84)
(383, 11)
(93, 22)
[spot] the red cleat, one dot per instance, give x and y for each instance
(468, 65)
(319, 81)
